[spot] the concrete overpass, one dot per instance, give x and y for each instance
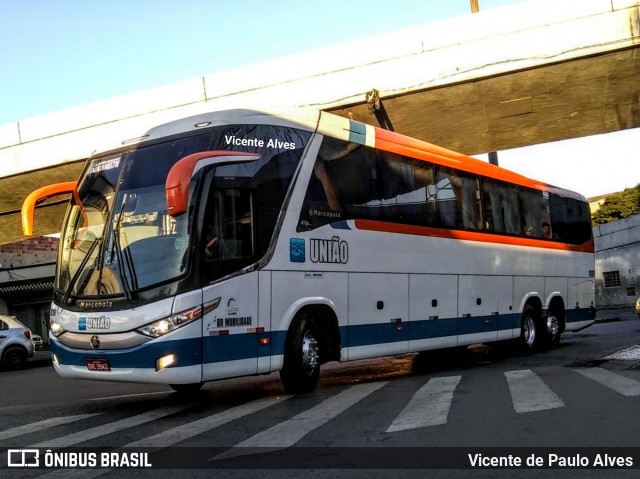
(529, 73)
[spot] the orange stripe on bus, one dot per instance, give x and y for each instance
(372, 225)
(422, 150)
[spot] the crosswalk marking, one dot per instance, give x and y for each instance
(287, 433)
(180, 433)
(192, 429)
(619, 383)
(109, 428)
(429, 406)
(41, 425)
(529, 393)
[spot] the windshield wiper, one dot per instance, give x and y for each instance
(80, 269)
(116, 241)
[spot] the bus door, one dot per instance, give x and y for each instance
(231, 328)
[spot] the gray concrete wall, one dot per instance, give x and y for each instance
(618, 250)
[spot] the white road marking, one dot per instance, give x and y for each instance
(429, 406)
(630, 353)
(41, 425)
(186, 431)
(619, 383)
(109, 428)
(529, 393)
(173, 436)
(131, 395)
(287, 433)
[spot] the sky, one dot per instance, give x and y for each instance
(57, 54)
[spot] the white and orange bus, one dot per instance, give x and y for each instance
(241, 242)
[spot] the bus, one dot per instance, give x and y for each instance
(245, 242)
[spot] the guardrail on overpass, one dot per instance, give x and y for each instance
(458, 72)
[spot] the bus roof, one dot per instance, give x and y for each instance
(355, 131)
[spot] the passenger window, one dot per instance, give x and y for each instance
(500, 207)
(570, 220)
(534, 207)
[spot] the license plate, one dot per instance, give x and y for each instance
(98, 365)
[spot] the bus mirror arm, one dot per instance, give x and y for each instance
(27, 213)
(179, 177)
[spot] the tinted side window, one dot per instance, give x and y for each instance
(3, 325)
(536, 220)
(501, 207)
(352, 181)
(570, 220)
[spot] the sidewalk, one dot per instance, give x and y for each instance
(615, 314)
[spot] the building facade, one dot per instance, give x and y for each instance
(27, 269)
(617, 263)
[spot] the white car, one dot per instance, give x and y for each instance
(15, 343)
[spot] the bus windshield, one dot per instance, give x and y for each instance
(118, 237)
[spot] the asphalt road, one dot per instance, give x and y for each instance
(387, 417)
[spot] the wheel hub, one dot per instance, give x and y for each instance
(552, 324)
(310, 356)
(529, 331)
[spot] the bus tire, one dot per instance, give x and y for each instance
(553, 327)
(301, 368)
(530, 330)
(15, 358)
(186, 388)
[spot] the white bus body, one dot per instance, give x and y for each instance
(438, 257)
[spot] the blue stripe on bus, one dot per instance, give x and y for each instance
(357, 132)
(245, 346)
(340, 225)
(188, 352)
(579, 314)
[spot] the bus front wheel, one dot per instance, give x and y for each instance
(301, 369)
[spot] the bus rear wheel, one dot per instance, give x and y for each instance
(530, 331)
(301, 369)
(553, 328)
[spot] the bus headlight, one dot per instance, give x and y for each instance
(56, 328)
(166, 325)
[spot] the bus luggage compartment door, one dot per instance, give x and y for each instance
(378, 314)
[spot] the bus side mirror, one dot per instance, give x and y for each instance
(180, 174)
(38, 196)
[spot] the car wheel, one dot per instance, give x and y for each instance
(15, 358)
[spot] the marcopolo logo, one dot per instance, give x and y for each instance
(329, 251)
